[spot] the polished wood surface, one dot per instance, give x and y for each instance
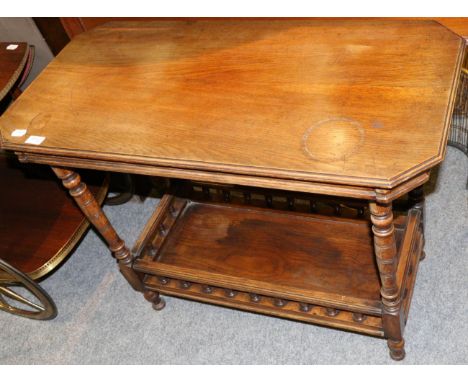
(77, 25)
(286, 254)
(459, 25)
(387, 260)
(254, 244)
(351, 108)
(39, 223)
(12, 63)
(329, 101)
(220, 239)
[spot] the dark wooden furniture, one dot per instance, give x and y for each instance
(13, 58)
(39, 224)
(39, 227)
(264, 116)
(53, 32)
(15, 63)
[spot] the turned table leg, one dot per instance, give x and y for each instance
(416, 201)
(386, 255)
(85, 200)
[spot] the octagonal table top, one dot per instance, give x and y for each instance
(355, 102)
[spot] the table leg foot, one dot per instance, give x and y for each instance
(397, 349)
(157, 302)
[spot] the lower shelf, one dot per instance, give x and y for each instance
(304, 266)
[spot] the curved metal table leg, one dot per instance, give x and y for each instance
(44, 310)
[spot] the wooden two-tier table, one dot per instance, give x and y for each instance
(286, 142)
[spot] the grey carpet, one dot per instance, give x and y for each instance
(103, 321)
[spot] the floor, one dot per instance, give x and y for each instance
(102, 320)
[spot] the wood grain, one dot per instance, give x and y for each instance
(211, 243)
(352, 108)
(250, 248)
(372, 325)
(250, 97)
(77, 25)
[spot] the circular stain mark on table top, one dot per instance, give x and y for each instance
(333, 139)
(39, 122)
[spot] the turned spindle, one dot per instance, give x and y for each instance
(152, 250)
(226, 196)
(337, 209)
(91, 209)
(163, 280)
(303, 307)
(312, 206)
(359, 317)
(162, 229)
(279, 302)
(230, 293)
(255, 297)
(206, 192)
(387, 261)
(332, 312)
(172, 211)
(416, 200)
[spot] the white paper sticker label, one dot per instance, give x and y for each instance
(12, 46)
(18, 132)
(35, 140)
